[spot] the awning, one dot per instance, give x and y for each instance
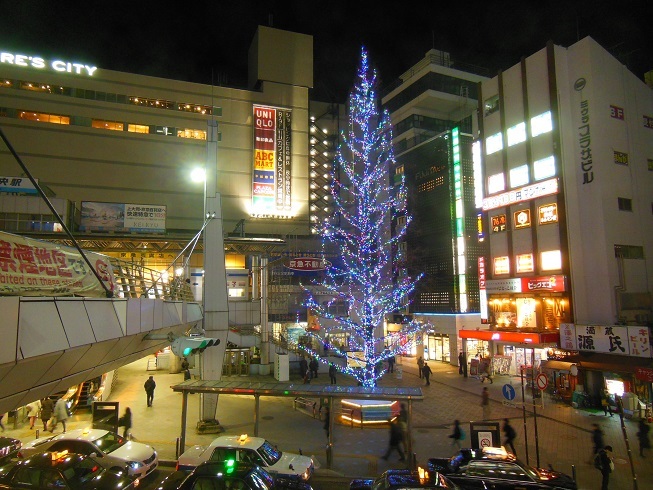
(511, 337)
(614, 363)
(557, 365)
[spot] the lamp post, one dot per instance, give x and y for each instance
(214, 291)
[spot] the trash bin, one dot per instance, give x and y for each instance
(399, 372)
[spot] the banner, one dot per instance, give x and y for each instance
(131, 218)
(37, 268)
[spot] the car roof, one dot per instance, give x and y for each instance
(244, 441)
(49, 459)
(81, 434)
(214, 468)
(402, 477)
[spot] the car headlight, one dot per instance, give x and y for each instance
(134, 465)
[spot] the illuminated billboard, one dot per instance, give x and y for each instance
(113, 216)
(271, 176)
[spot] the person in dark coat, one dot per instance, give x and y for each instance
(126, 422)
(642, 436)
(303, 367)
(391, 364)
(457, 434)
(426, 372)
(149, 390)
(327, 421)
(420, 366)
(510, 434)
(606, 466)
(332, 373)
(47, 407)
(396, 438)
(313, 366)
(461, 361)
(597, 438)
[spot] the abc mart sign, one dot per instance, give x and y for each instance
(41, 64)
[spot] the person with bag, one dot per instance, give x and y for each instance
(457, 435)
(60, 414)
(510, 433)
(33, 410)
(47, 407)
(603, 462)
(126, 422)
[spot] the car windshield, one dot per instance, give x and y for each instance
(259, 479)
(81, 473)
(109, 442)
(269, 453)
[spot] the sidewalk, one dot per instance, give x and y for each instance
(564, 437)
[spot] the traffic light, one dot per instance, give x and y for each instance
(184, 346)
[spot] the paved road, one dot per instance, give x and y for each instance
(564, 438)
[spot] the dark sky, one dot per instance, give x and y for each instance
(199, 40)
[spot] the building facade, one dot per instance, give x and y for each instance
(564, 160)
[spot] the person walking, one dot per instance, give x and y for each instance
(2, 426)
(303, 367)
(149, 390)
(457, 434)
(33, 410)
(642, 436)
(47, 408)
(396, 438)
(420, 366)
(332, 373)
(60, 414)
(606, 465)
(485, 403)
(510, 434)
(597, 439)
(313, 366)
(126, 422)
(327, 421)
(461, 362)
(605, 404)
(391, 364)
(426, 372)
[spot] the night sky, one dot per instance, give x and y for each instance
(208, 41)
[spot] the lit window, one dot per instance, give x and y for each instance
(191, 133)
(517, 134)
(524, 263)
(501, 265)
(544, 168)
(495, 183)
(541, 124)
(42, 117)
(491, 105)
(138, 128)
(493, 143)
(111, 125)
(551, 260)
(519, 176)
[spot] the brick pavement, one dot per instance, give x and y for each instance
(564, 437)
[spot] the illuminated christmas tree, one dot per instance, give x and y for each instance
(366, 203)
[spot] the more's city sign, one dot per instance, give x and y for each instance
(553, 283)
(39, 63)
(307, 264)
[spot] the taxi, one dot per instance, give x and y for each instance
(252, 450)
(111, 450)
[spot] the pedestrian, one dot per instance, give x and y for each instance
(642, 436)
(313, 366)
(605, 464)
(457, 434)
(2, 426)
(605, 403)
(47, 408)
(332, 373)
(126, 422)
(327, 421)
(186, 374)
(184, 364)
(403, 424)
(33, 410)
(597, 439)
(60, 414)
(485, 403)
(420, 366)
(303, 367)
(461, 361)
(396, 438)
(510, 434)
(149, 390)
(391, 364)
(426, 372)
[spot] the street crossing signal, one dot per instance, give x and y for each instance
(185, 346)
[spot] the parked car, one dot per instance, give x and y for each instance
(111, 450)
(229, 474)
(493, 467)
(404, 479)
(9, 448)
(63, 471)
(252, 450)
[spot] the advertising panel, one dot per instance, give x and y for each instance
(17, 185)
(130, 218)
(610, 339)
(37, 268)
(271, 176)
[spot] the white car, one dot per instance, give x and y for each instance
(109, 449)
(255, 450)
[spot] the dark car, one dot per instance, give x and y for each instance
(228, 475)
(9, 448)
(496, 468)
(62, 471)
(404, 479)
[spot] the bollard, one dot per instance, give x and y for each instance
(329, 455)
(37, 433)
(573, 472)
(177, 448)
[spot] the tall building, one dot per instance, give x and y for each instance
(431, 107)
(564, 160)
